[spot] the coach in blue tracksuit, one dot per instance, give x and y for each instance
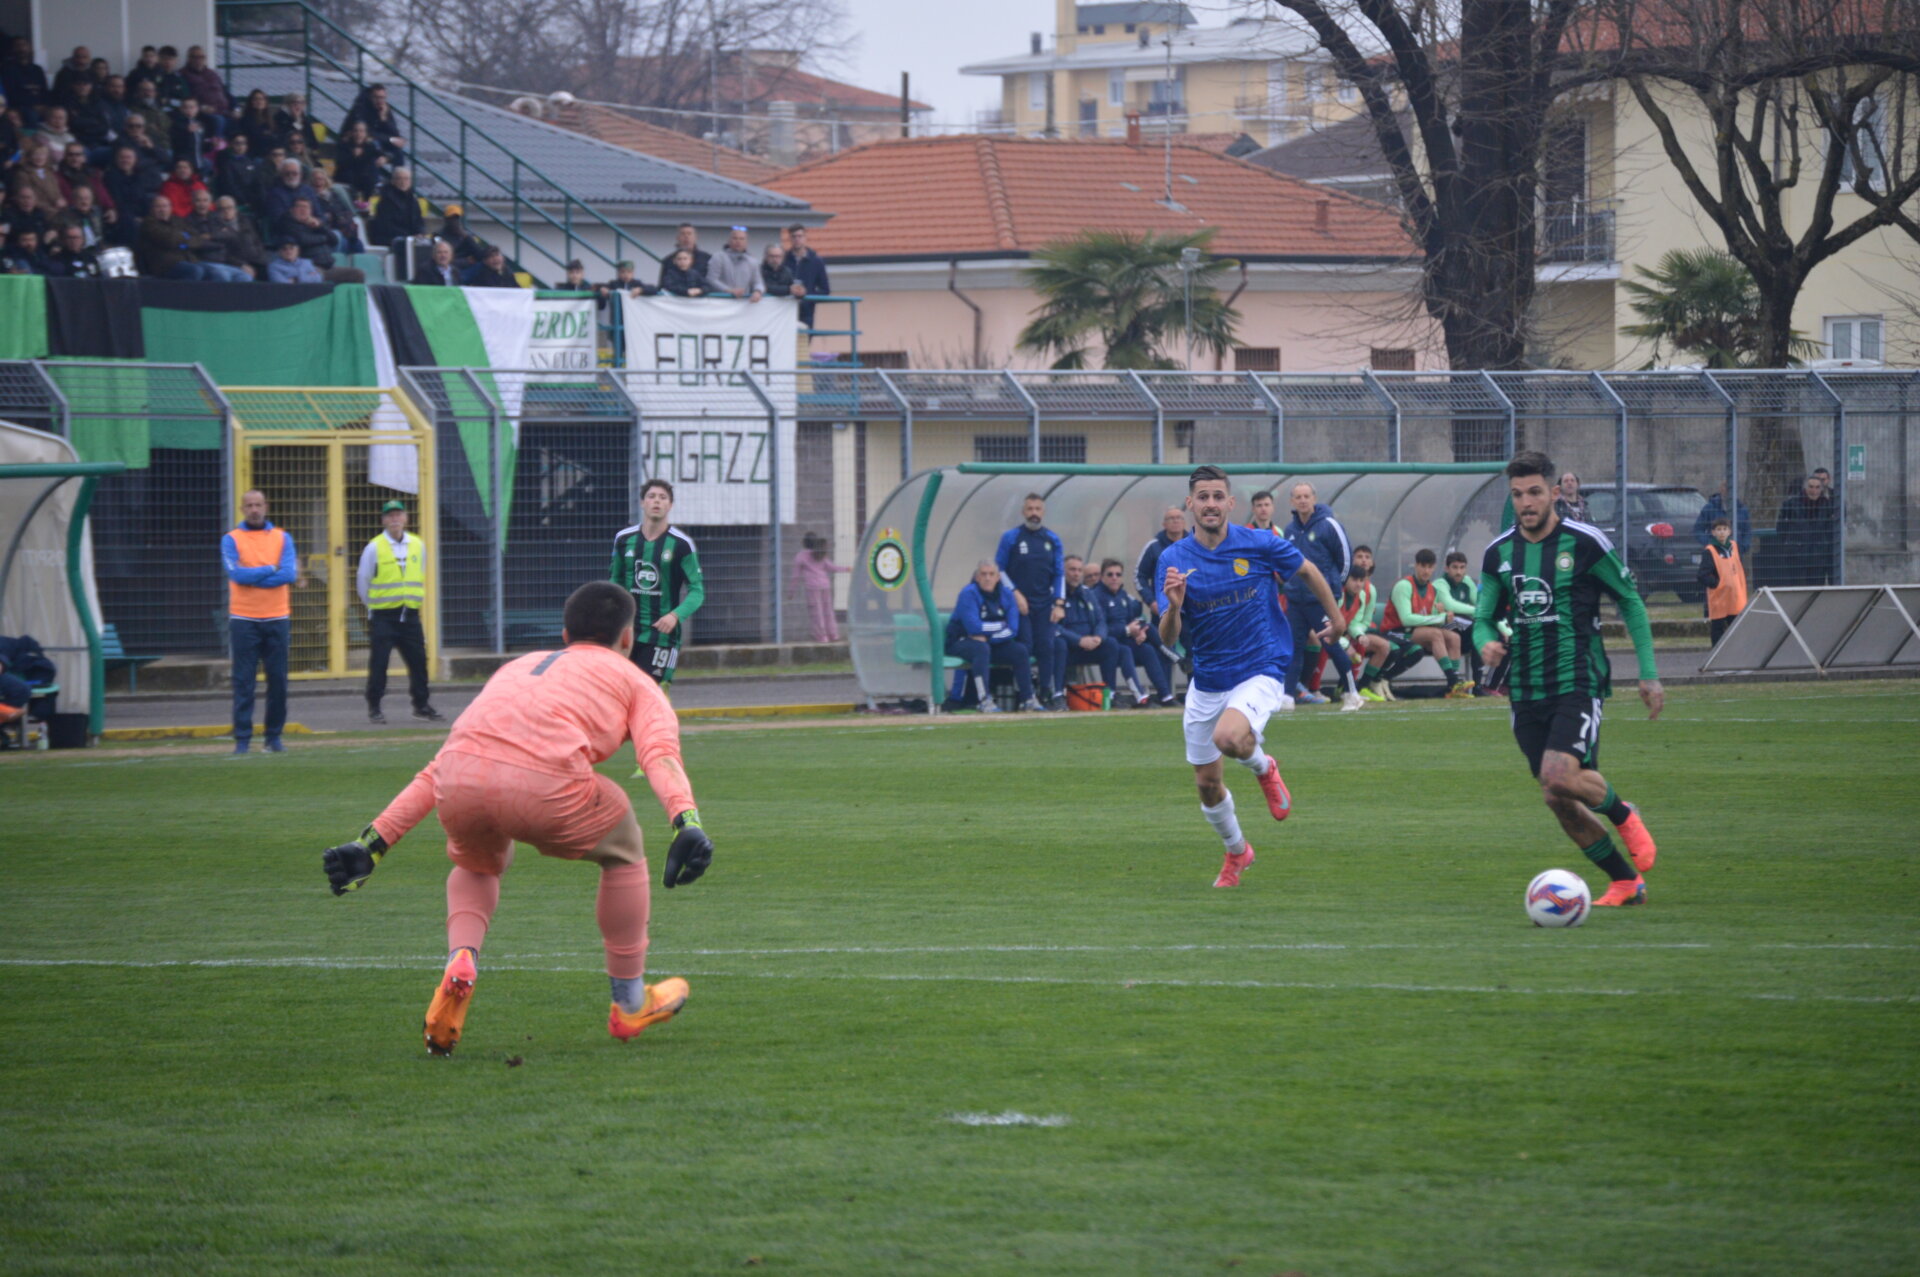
(1081, 638)
(1322, 542)
(1133, 639)
(984, 631)
(1034, 561)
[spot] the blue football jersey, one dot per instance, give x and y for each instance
(1231, 621)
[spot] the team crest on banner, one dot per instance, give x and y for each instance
(887, 561)
(703, 429)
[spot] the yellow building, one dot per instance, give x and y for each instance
(1265, 77)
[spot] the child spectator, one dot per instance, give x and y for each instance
(682, 277)
(813, 571)
(1723, 576)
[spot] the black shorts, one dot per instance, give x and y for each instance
(1568, 724)
(657, 663)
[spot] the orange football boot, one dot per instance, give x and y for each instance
(1233, 863)
(662, 1002)
(1639, 841)
(1624, 891)
(1279, 801)
(448, 1010)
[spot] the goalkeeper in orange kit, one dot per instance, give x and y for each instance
(518, 766)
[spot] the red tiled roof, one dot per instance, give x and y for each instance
(927, 197)
(662, 143)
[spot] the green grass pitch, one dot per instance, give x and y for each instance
(1363, 1061)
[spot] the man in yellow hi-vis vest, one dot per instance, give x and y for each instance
(393, 585)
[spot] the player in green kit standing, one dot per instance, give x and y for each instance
(656, 563)
(1545, 575)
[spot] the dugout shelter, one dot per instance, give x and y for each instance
(927, 535)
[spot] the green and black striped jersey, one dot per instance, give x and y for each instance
(663, 575)
(1549, 591)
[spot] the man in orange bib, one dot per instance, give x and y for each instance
(519, 766)
(261, 566)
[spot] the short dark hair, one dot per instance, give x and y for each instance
(1425, 559)
(1455, 556)
(1206, 474)
(1111, 563)
(1530, 463)
(1265, 494)
(1074, 558)
(651, 484)
(796, 227)
(597, 612)
(168, 51)
(1367, 548)
(1721, 522)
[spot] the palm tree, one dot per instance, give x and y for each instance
(1702, 302)
(1126, 291)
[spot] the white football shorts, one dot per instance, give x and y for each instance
(1259, 698)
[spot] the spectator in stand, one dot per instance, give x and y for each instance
(180, 186)
(372, 109)
(1081, 638)
(682, 276)
(809, 271)
(1033, 560)
(492, 271)
(1262, 507)
(9, 134)
(1146, 569)
(153, 152)
(397, 213)
(358, 160)
(144, 67)
(290, 185)
(73, 172)
(240, 237)
(132, 186)
(576, 280)
(622, 282)
(776, 276)
(204, 83)
(813, 573)
(1415, 615)
(115, 105)
(1322, 542)
(335, 211)
(441, 269)
(87, 117)
(256, 121)
(1127, 627)
(147, 105)
(1804, 536)
(733, 269)
(204, 227)
(75, 258)
(83, 213)
(194, 137)
(685, 240)
(23, 255)
(1825, 476)
(23, 81)
(53, 128)
(169, 86)
(468, 248)
(77, 69)
(240, 173)
(1723, 577)
(984, 631)
(37, 172)
(289, 267)
(316, 240)
(165, 250)
(23, 212)
(1569, 502)
(292, 121)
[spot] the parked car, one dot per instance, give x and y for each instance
(1660, 546)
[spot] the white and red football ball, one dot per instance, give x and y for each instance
(1558, 898)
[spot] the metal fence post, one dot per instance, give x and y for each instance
(1393, 405)
(1279, 417)
(63, 411)
(1512, 440)
(1033, 419)
(906, 422)
(1159, 417)
(774, 510)
(1733, 452)
(1839, 479)
(496, 525)
(1619, 457)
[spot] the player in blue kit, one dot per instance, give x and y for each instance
(1217, 589)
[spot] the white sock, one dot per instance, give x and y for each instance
(1257, 764)
(980, 686)
(629, 993)
(1225, 824)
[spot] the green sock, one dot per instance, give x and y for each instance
(1448, 664)
(1372, 672)
(1613, 807)
(1608, 859)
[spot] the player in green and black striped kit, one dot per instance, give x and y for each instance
(656, 563)
(1545, 575)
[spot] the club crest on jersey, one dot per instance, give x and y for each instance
(1240, 567)
(1532, 597)
(1564, 562)
(646, 577)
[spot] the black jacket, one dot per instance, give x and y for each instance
(482, 277)
(316, 244)
(428, 273)
(700, 260)
(778, 280)
(682, 282)
(396, 215)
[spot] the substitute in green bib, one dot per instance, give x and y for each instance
(656, 563)
(393, 586)
(1545, 576)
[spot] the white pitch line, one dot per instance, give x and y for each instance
(1327, 986)
(1009, 1118)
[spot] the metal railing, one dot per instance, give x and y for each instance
(1577, 232)
(485, 177)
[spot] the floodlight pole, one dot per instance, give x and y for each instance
(1189, 262)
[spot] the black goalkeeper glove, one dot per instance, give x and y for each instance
(692, 850)
(352, 863)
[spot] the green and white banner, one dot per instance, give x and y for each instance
(703, 428)
(565, 335)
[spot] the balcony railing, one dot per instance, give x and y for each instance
(1577, 231)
